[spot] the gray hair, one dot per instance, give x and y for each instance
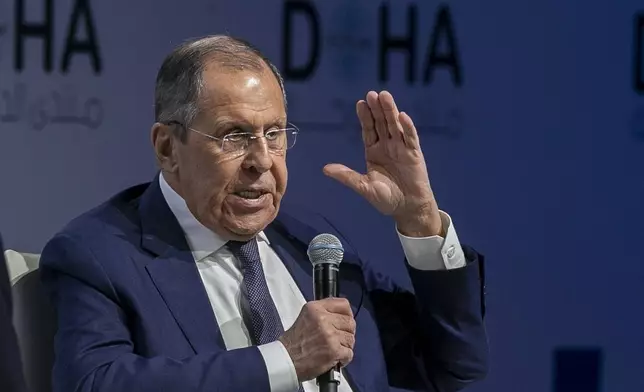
(179, 84)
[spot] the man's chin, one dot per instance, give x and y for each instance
(246, 226)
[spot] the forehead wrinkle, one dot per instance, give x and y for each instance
(256, 120)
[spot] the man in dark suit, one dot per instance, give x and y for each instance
(198, 281)
(11, 379)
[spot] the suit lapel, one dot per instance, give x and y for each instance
(174, 272)
(290, 253)
(290, 238)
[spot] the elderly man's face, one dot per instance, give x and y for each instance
(235, 194)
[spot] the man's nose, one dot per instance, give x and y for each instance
(258, 157)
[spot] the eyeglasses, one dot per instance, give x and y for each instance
(277, 140)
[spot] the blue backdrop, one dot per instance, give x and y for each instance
(531, 117)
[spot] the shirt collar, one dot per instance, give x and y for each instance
(203, 241)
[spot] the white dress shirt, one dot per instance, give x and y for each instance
(221, 275)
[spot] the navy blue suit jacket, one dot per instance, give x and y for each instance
(133, 314)
(11, 378)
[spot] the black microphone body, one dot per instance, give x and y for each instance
(325, 280)
(326, 252)
(326, 285)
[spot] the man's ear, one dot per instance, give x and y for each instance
(164, 144)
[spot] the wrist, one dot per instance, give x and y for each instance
(421, 225)
(292, 352)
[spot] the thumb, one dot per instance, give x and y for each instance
(348, 177)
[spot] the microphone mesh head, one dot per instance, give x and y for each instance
(325, 248)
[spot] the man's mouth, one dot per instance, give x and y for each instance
(250, 194)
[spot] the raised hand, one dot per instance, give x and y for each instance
(396, 182)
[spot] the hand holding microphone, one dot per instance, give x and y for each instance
(321, 337)
(324, 333)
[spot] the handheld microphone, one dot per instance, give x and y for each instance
(325, 253)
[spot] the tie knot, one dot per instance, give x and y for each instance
(246, 251)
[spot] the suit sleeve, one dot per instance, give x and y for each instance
(11, 378)
(94, 349)
(435, 337)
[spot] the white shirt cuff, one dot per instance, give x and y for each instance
(281, 370)
(435, 252)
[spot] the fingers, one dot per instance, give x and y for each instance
(383, 116)
(345, 356)
(340, 326)
(369, 135)
(348, 340)
(378, 115)
(337, 312)
(342, 349)
(341, 314)
(322, 336)
(409, 131)
(337, 305)
(391, 113)
(346, 176)
(344, 323)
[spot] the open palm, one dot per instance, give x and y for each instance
(396, 182)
